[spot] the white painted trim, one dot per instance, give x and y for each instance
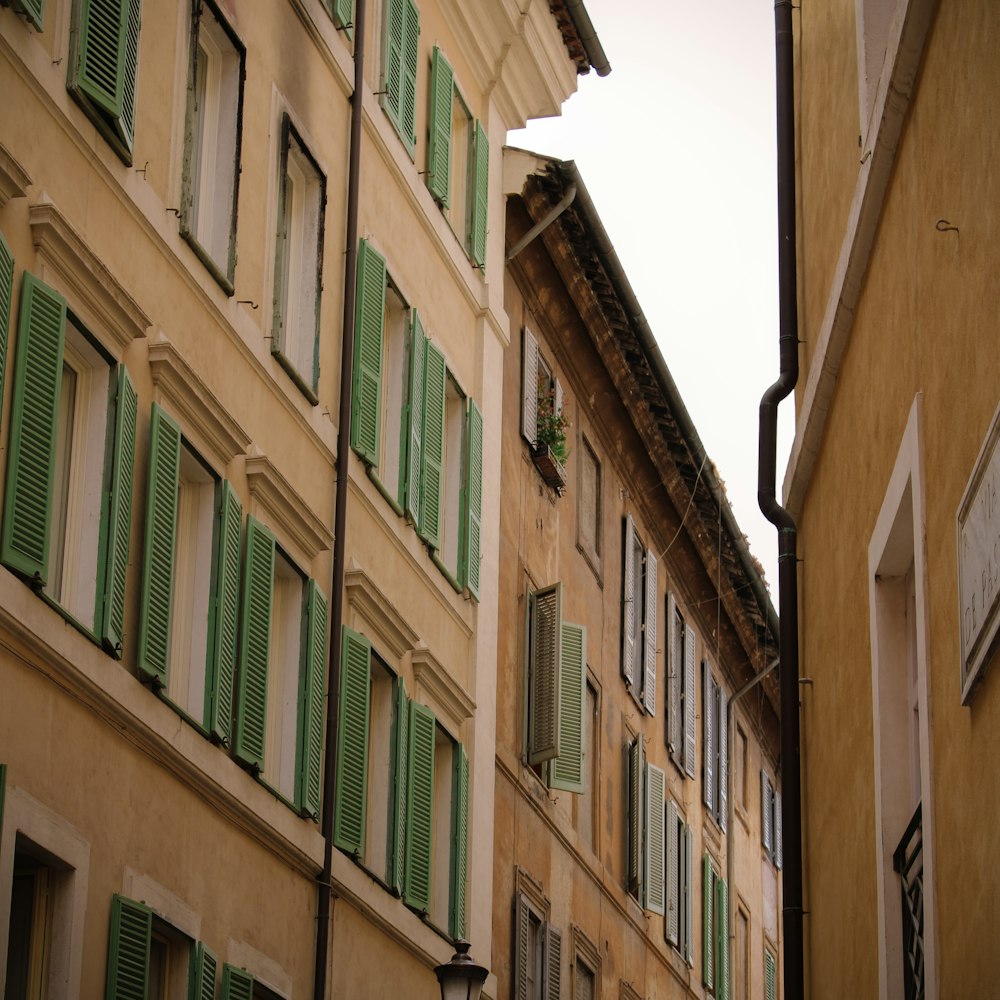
(164, 903)
(24, 815)
(264, 968)
(906, 483)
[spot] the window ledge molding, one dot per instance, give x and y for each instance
(202, 416)
(431, 677)
(271, 493)
(164, 903)
(533, 889)
(62, 250)
(14, 179)
(364, 596)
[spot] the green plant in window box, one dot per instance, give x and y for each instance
(550, 450)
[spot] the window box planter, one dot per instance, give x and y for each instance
(551, 469)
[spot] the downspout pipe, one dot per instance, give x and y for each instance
(325, 881)
(588, 37)
(731, 805)
(788, 348)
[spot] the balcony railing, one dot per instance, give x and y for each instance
(908, 863)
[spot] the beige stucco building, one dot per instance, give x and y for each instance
(630, 612)
(892, 479)
(176, 209)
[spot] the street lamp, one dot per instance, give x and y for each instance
(461, 978)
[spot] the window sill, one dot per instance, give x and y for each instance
(408, 145)
(384, 490)
(455, 585)
(75, 622)
(306, 390)
(189, 719)
(225, 281)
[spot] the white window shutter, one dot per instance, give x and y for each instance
(689, 701)
(723, 738)
(765, 811)
(708, 720)
(629, 598)
(522, 956)
(777, 827)
(529, 387)
(675, 665)
(688, 892)
(654, 838)
(552, 975)
(674, 901)
(546, 654)
(649, 636)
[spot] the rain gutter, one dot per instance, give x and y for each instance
(588, 37)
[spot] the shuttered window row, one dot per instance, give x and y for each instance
(681, 691)
(423, 484)
(412, 834)
(647, 830)
(639, 618)
(129, 971)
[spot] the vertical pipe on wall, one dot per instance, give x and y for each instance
(788, 345)
(325, 887)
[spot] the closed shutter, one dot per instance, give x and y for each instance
(432, 472)
(522, 955)
(129, 72)
(226, 615)
(529, 386)
(480, 195)
(687, 881)
(310, 767)
(159, 546)
(33, 9)
(722, 938)
(552, 973)
(460, 843)
(119, 514)
(401, 744)
(473, 500)
(654, 838)
(237, 984)
(723, 739)
(649, 635)
(366, 399)
(408, 78)
(690, 698)
(395, 28)
(675, 667)
(629, 597)
(415, 418)
(343, 12)
(255, 640)
(708, 927)
(543, 670)
(770, 976)
(6, 290)
(567, 770)
(31, 447)
(674, 901)
(439, 149)
(765, 811)
(709, 718)
(204, 973)
(635, 775)
(419, 808)
(351, 794)
(777, 828)
(128, 949)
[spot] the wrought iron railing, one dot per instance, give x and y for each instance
(908, 863)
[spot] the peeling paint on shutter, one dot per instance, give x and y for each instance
(690, 699)
(351, 792)
(128, 949)
(649, 635)
(629, 598)
(654, 838)
(310, 769)
(473, 500)
(159, 548)
(226, 622)
(544, 688)
(567, 770)
(672, 923)
(432, 471)
(366, 399)
(420, 808)
(439, 150)
(529, 386)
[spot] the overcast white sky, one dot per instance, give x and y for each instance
(677, 150)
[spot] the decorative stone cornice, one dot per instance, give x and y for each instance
(365, 597)
(431, 676)
(14, 179)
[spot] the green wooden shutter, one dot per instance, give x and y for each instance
(635, 774)
(128, 949)
(649, 635)
(366, 400)
(673, 922)
(6, 289)
(204, 971)
(722, 938)
(708, 935)
(237, 984)
(119, 527)
(129, 70)
(395, 27)
(689, 701)
(401, 745)
(655, 843)
(32, 9)
(552, 971)
(567, 770)
(408, 78)
(159, 546)
(629, 598)
(351, 794)
(432, 437)
(460, 843)
(255, 640)
(310, 769)
(770, 976)
(543, 673)
(224, 627)
(24, 544)
(343, 12)
(100, 63)
(415, 417)
(480, 195)
(439, 149)
(419, 808)
(473, 501)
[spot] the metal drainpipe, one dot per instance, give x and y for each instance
(788, 344)
(325, 881)
(730, 808)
